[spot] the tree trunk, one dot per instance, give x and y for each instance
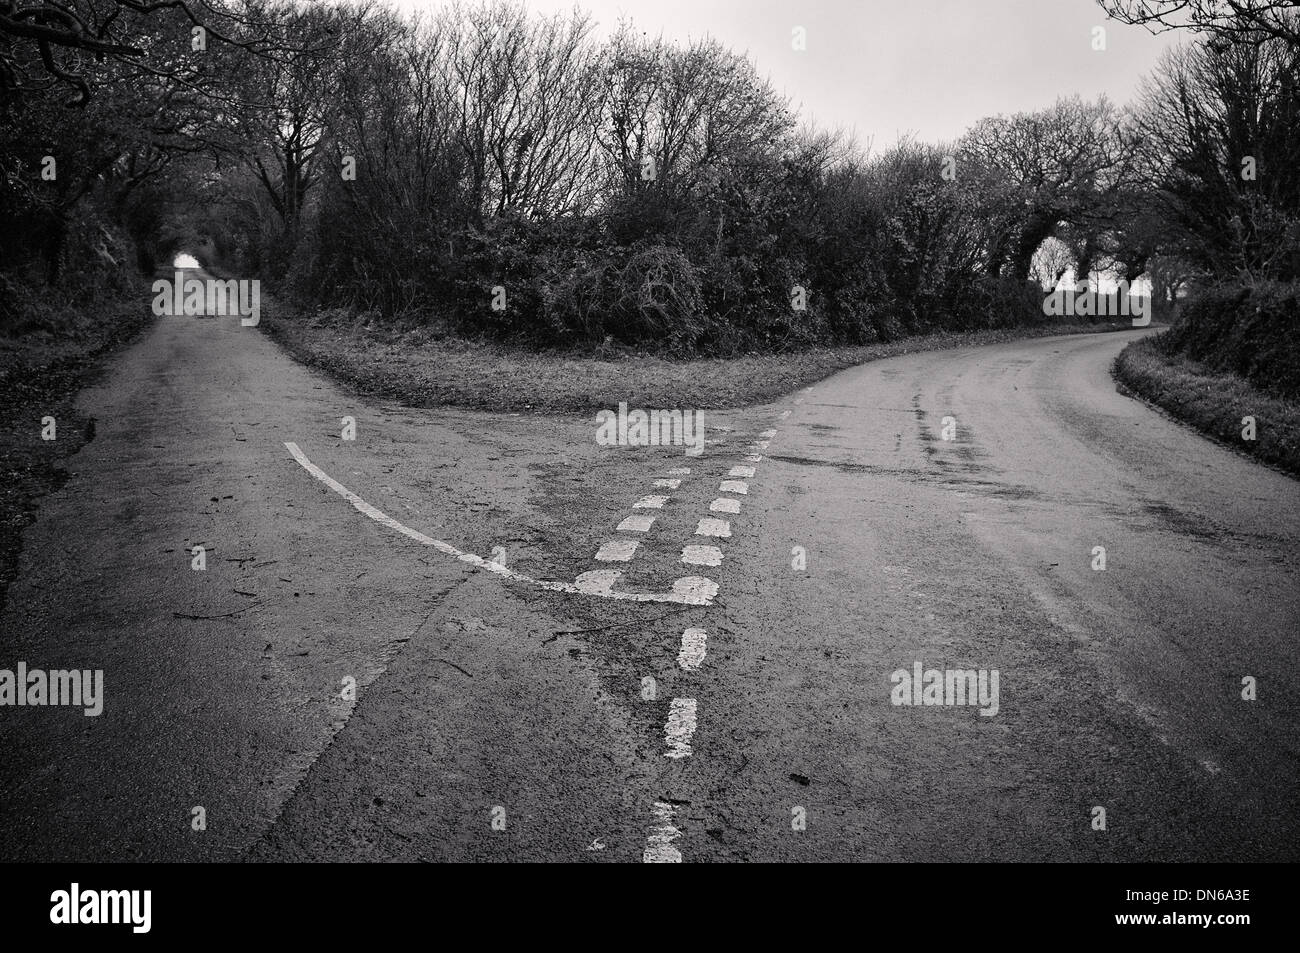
(1083, 263)
(1134, 270)
(1038, 228)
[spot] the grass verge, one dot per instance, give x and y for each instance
(417, 369)
(1213, 402)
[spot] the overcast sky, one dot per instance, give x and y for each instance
(889, 67)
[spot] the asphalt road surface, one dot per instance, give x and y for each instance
(497, 717)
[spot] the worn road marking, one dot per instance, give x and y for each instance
(785, 414)
(659, 847)
(680, 728)
(711, 526)
(702, 555)
(768, 434)
(638, 523)
(689, 590)
(733, 486)
(650, 502)
(598, 582)
(725, 504)
(679, 471)
(668, 484)
(695, 590)
(753, 458)
(693, 649)
(745, 472)
(617, 551)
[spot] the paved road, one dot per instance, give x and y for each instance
(498, 720)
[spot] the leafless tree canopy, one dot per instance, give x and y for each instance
(1249, 19)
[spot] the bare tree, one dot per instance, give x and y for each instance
(1225, 116)
(287, 102)
(1060, 165)
(677, 119)
(527, 96)
(1248, 19)
(1052, 260)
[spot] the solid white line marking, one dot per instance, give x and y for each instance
(650, 502)
(637, 523)
(710, 526)
(725, 504)
(693, 649)
(695, 555)
(617, 551)
(693, 590)
(733, 486)
(659, 847)
(668, 484)
(680, 728)
(746, 472)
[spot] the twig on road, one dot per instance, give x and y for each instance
(455, 666)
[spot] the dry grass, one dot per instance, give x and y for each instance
(1213, 402)
(421, 371)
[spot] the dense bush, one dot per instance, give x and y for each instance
(97, 263)
(1248, 330)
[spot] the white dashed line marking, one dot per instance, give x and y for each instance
(693, 649)
(733, 486)
(659, 847)
(709, 526)
(695, 590)
(598, 582)
(617, 551)
(679, 471)
(667, 484)
(725, 504)
(690, 590)
(695, 555)
(650, 502)
(639, 523)
(680, 728)
(746, 472)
